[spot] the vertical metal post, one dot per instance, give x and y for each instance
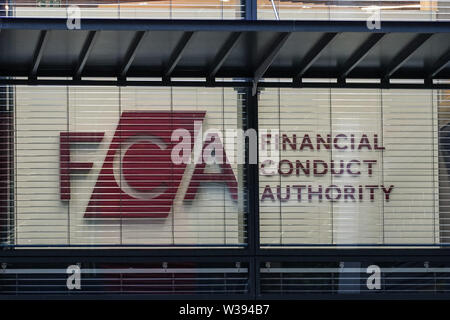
(250, 9)
(251, 108)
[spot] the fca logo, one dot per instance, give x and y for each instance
(138, 178)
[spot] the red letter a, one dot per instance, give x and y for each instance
(226, 176)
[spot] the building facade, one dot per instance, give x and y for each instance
(277, 149)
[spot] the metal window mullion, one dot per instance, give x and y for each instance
(250, 11)
(251, 107)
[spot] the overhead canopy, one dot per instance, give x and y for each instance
(251, 50)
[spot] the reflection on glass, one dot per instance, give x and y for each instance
(354, 10)
(152, 9)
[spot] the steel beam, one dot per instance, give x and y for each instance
(269, 58)
(226, 84)
(223, 54)
(177, 54)
(405, 54)
(439, 65)
(360, 54)
(85, 52)
(38, 52)
(313, 55)
(131, 53)
(17, 23)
